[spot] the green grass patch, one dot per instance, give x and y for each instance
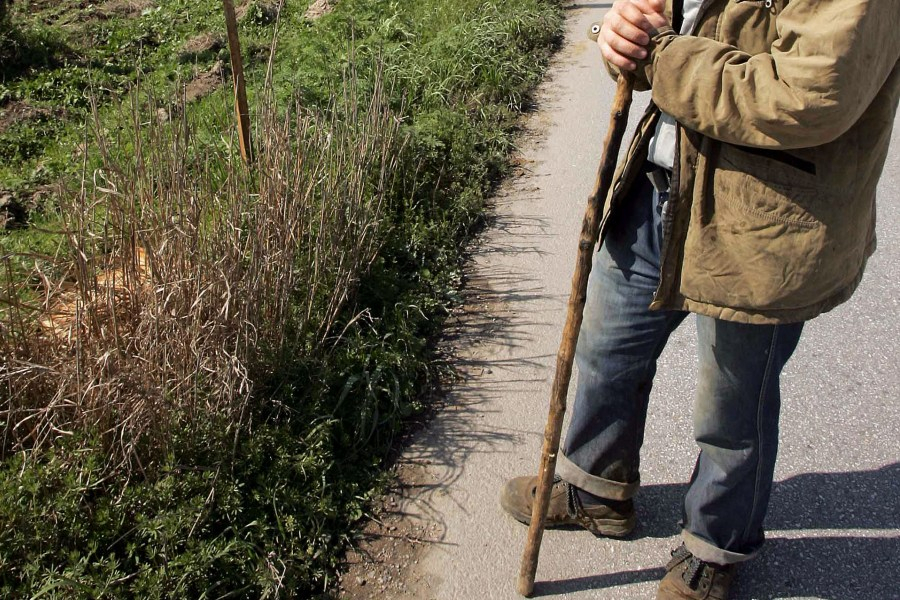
(262, 501)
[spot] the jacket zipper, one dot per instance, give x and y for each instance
(674, 199)
(669, 217)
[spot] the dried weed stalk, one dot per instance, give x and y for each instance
(186, 277)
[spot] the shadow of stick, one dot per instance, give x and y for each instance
(596, 582)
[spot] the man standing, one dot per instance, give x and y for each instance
(747, 197)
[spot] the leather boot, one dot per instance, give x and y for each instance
(689, 578)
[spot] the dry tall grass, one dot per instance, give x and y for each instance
(184, 277)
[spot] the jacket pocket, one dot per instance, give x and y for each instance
(770, 183)
(761, 244)
(782, 157)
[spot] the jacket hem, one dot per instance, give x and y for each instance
(766, 317)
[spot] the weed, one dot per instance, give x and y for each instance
(186, 277)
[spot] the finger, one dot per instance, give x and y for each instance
(624, 47)
(614, 58)
(628, 11)
(628, 30)
(627, 23)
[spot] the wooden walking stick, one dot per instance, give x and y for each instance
(590, 231)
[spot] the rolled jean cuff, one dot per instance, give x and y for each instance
(710, 553)
(598, 486)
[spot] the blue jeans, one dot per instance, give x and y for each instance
(735, 412)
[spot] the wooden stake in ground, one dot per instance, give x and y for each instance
(240, 89)
(590, 231)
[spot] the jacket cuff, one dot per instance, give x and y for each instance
(659, 39)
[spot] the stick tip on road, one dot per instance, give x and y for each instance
(525, 586)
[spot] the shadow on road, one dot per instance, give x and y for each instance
(831, 567)
(854, 500)
(596, 582)
(493, 331)
(486, 341)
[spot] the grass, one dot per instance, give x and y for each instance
(234, 350)
(62, 55)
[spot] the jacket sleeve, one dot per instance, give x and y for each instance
(829, 61)
(640, 83)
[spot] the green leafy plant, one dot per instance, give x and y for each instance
(212, 417)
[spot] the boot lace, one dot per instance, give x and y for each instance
(571, 498)
(572, 503)
(679, 554)
(695, 568)
(694, 572)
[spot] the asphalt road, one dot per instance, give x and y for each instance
(834, 519)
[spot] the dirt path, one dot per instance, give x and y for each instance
(834, 521)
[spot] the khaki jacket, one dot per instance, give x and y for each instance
(785, 111)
